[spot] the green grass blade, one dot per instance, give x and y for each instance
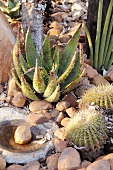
(104, 34)
(98, 33)
(90, 45)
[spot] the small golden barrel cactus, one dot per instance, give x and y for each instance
(88, 130)
(101, 96)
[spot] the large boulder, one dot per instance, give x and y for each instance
(7, 42)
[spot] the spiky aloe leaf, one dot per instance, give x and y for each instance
(55, 95)
(55, 58)
(72, 85)
(15, 77)
(67, 71)
(51, 85)
(44, 75)
(27, 91)
(46, 60)
(31, 53)
(25, 67)
(38, 82)
(67, 53)
(72, 75)
(16, 59)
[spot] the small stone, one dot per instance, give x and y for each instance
(34, 165)
(69, 159)
(40, 117)
(72, 99)
(54, 113)
(64, 38)
(65, 121)
(99, 80)
(54, 31)
(19, 99)
(57, 17)
(59, 144)
(109, 75)
(15, 167)
(99, 165)
(2, 96)
(52, 161)
(85, 164)
(61, 133)
(56, 25)
(62, 106)
(39, 105)
(22, 134)
(12, 88)
(77, 14)
(60, 117)
(2, 163)
(90, 72)
(71, 112)
(109, 158)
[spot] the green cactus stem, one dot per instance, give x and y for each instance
(101, 96)
(87, 129)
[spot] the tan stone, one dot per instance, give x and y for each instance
(85, 164)
(99, 165)
(7, 42)
(62, 106)
(2, 163)
(60, 117)
(52, 161)
(72, 99)
(99, 80)
(15, 167)
(34, 165)
(22, 134)
(39, 117)
(109, 75)
(71, 112)
(61, 133)
(19, 99)
(64, 38)
(69, 159)
(90, 72)
(57, 25)
(1, 88)
(59, 16)
(59, 144)
(109, 158)
(65, 121)
(54, 31)
(39, 105)
(54, 113)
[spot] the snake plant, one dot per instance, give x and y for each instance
(102, 56)
(88, 129)
(11, 10)
(51, 74)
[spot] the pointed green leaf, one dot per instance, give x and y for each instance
(68, 52)
(55, 58)
(15, 77)
(44, 75)
(46, 60)
(31, 53)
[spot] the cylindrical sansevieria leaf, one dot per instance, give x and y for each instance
(38, 82)
(51, 85)
(101, 95)
(88, 129)
(55, 95)
(27, 91)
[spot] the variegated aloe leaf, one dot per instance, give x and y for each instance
(55, 58)
(16, 54)
(31, 53)
(72, 75)
(27, 91)
(44, 75)
(55, 95)
(15, 77)
(51, 85)
(46, 60)
(67, 53)
(38, 82)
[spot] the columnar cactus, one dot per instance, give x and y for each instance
(47, 76)
(101, 96)
(87, 129)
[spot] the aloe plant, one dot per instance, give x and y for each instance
(101, 96)
(11, 10)
(51, 74)
(88, 130)
(102, 55)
